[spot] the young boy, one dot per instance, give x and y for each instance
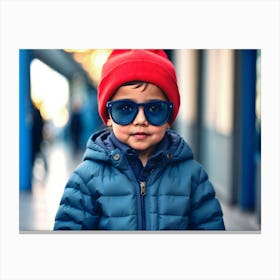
(138, 174)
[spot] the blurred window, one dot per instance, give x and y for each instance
(218, 104)
(49, 93)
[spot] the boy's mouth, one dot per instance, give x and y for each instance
(140, 135)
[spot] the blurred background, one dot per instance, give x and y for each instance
(220, 118)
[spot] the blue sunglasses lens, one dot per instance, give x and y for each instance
(158, 112)
(123, 112)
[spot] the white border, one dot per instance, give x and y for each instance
(162, 24)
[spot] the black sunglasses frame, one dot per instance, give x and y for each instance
(146, 106)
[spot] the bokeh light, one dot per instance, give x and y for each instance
(49, 93)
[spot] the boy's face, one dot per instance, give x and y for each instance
(139, 134)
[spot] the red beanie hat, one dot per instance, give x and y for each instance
(151, 66)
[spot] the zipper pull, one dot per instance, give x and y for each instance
(143, 188)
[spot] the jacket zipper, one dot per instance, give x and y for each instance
(143, 193)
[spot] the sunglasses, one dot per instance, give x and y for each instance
(123, 112)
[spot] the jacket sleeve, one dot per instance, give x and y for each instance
(77, 209)
(206, 212)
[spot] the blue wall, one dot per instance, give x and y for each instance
(25, 166)
(248, 129)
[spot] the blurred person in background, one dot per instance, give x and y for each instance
(38, 139)
(138, 174)
(76, 127)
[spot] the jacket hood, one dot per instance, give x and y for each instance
(96, 146)
(100, 149)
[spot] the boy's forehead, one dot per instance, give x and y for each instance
(147, 90)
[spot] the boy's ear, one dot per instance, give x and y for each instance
(109, 122)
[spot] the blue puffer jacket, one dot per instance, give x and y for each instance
(104, 194)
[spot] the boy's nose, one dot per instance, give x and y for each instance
(140, 118)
